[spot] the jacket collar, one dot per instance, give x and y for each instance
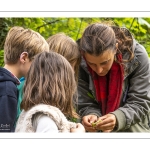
(133, 64)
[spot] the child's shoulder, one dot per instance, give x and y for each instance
(8, 82)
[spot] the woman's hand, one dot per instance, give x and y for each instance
(87, 122)
(79, 128)
(107, 123)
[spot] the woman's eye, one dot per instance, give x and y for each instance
(103, 63)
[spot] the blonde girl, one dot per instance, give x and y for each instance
(67, 47)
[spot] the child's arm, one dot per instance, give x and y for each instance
(44, 124)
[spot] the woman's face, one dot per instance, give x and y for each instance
(101, 64)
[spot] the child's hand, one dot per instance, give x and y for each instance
(79, 128)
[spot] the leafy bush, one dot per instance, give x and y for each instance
(1, 57)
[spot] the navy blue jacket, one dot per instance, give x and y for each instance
(8, 100)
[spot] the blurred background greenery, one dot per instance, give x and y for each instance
(74, 27)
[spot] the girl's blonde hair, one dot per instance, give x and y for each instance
(50, 81)
(67, 47)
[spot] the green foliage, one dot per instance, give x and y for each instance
(3, 31)
(74, 120)
(1, 57)
(74, 27)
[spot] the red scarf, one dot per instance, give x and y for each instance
(109, 88)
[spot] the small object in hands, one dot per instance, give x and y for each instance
(95, 123)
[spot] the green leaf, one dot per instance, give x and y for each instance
(143, 22)
(90, 95)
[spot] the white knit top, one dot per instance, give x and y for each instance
(24, 123)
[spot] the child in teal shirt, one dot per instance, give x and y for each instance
(20, 89)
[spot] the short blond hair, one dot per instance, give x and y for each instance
(67, 47)
(20, 40)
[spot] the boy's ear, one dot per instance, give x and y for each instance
(23, 57)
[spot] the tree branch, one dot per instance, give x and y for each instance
(79, 29)
(132, 23)
(47, 24)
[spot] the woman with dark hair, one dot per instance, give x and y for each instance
(114, 81)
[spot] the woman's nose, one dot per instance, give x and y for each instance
(99, 69)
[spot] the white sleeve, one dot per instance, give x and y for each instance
(45, 125)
